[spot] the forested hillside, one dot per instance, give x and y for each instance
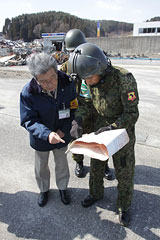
(30, 26)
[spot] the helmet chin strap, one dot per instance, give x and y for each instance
(78, 52)
(74, 61)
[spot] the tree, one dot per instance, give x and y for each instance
(30, 26)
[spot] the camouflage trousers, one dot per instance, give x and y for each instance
(78, 157)
(124, 164)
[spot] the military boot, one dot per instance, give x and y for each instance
(79, 170)
(108, 174)
(124, 218)
(88, 201)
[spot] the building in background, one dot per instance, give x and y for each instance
(53, 41)
(146, 29)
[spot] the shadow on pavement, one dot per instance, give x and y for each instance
(147, 175)
(56, 221)
(145, 217)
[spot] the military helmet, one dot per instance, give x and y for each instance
(87, 60)
(74, 38)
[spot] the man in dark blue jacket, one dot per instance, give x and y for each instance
(47, 105)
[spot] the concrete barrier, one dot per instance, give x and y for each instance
(148, 46)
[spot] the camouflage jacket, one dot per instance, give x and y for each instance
(81, 88)
(115, 99)
(64, 67)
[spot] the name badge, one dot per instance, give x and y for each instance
(64, 113)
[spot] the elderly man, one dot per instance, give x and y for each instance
(47, 105)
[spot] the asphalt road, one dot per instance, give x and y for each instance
(22, 218)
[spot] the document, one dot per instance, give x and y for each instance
(100, 146)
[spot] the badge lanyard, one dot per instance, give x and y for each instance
(64, 113)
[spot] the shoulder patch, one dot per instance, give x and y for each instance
(131, 96)
(74, 104)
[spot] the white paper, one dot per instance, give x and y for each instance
(101, 146)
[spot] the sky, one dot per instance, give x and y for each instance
(131, 11)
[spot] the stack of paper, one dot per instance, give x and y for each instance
(101, 146)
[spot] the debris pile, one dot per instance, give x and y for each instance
(14, 53)
(60, 56)
(120, 56)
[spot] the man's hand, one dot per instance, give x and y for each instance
(76, 130)
(55, 138)
(103, 129)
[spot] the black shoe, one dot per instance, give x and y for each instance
(65, 198)
(108, 174)
(124, 218)
(79, 170)
(88, 201)
(43, 198)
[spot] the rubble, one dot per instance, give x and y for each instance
(13, 60)
(60, 56)
(14, 53)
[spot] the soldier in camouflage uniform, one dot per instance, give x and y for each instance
(115, 97)
(73, 39)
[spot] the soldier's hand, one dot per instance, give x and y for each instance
(76, 130)
(103, 129)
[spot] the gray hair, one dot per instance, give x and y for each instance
(40, 63)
